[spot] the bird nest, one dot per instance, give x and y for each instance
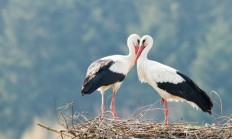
(76, 125)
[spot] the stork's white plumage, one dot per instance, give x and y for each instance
(171, 84)
(110, 71)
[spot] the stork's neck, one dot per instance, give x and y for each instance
(141, 69)
(132, 54)
(131, 58)
(143, 55)
(142, 65)
(145, 51)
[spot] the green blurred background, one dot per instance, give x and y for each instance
(46, 47)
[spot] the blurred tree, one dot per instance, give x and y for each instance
(46, 47)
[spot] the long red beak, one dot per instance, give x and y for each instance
(139, 53)
(136, 49)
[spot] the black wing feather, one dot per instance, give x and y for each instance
(98, 75)
(189, 91)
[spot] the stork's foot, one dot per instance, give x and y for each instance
(116, 117)
(114, 112)
(165, 121)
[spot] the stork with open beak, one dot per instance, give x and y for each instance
(109, 72)
(171, 84)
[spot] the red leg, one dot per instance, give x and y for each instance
(165, 111)
(112, 105)
(102, 105)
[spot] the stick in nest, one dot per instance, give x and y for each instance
(77, 125)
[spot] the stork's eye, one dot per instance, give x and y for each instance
(144, 41)
(138, 41)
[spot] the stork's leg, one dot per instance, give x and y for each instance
(112, 105)
(163, 101)
(102, 105)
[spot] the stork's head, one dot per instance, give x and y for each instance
(145, 45)
(133, 43)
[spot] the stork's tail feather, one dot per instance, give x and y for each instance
(206, 104)
(202, 100)
(88, 89)
(197, 95)
(90, 84)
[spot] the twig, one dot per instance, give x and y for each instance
(219, 99)
(136, 126)
(61, 132)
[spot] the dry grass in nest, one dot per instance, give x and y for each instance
(78, 126)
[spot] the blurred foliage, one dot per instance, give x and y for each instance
(46, 47)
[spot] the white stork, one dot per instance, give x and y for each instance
(171, 84)
(110, 71)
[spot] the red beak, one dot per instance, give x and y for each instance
(139, 53)
(136, 49)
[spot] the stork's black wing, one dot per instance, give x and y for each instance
(99, 74)
(188, 90)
